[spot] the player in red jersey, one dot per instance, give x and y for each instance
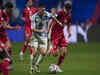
(50, 25)
(5, 61)
(4, 24)
(27, 13)
(57, 34)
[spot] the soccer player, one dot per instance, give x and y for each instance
(57, 34)
(4, 24)
(39, 38)
(50, 23)
(28, 11)
(5, 61)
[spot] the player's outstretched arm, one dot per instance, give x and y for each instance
(12, 28)
(69, 29)
(23, 18)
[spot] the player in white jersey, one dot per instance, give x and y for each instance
(39, 27)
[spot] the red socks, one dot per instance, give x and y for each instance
(60, 60)
(24, 48)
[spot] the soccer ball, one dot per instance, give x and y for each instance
(52, 69)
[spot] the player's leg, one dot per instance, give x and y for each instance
(5, 48)
(49, 43)
(54, 50)
(32, 58)
(34, 46)
(49, 46)
(9, 48)
(27, 38)
(3, 67)
(5, 43)
(62, 45)
(61, 58)
(2, 46)
(4, 63)
(43, 50)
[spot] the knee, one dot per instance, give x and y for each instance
(34, 52)
(43, 52)
(27, 37)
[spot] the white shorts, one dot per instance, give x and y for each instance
(35, 42)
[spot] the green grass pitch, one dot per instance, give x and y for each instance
(82, 59)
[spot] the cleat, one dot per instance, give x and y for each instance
(37, 68)
(31, 71)
(10, 68)
(58, 69)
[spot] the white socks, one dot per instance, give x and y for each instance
(21, 53)
(41, 57)
(31, 60)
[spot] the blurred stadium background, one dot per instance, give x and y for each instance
(83, 58)
(81, 10)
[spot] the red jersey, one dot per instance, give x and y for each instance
(3, 34)
(26, 14)
(6, 18)
(57, 30)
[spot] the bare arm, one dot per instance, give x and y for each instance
(23, 18)
(10, 27)
(49, 24)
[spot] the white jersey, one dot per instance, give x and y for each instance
(40, 22)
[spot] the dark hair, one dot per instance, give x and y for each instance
(41, 5)
(68, 6)
(26, 1)
(8, 5)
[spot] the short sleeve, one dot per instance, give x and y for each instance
(32, 18)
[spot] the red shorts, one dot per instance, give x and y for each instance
(59, 42)
(27, 31)
(3, 39)
(3, 67)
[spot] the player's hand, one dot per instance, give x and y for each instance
(47, 31)
(69, 35)
(17, 27)
(69, 32)
(42, 31)
(57, 21)
(23, 19)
